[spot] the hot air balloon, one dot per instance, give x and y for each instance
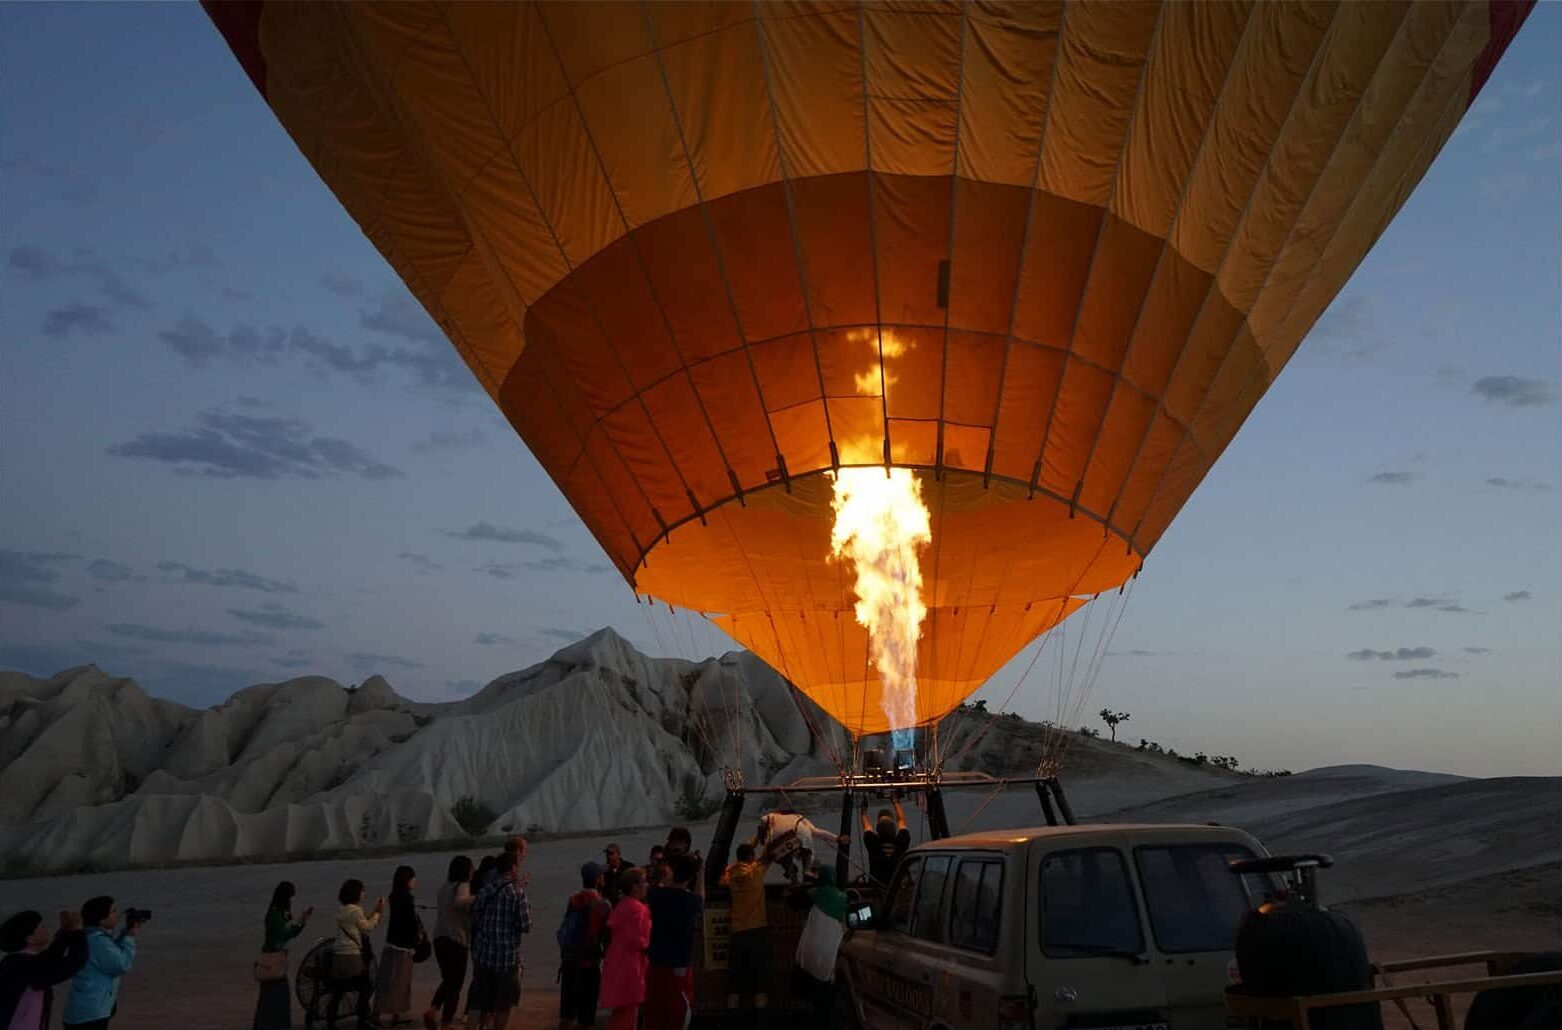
(1045, 257)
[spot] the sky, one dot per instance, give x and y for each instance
(234, 450)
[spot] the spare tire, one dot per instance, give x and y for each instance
(1520, 1008)
(1288, 952)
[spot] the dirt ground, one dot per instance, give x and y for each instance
(193, 969)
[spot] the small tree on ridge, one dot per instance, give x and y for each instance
(1111, 719)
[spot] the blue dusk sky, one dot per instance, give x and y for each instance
(234, 450)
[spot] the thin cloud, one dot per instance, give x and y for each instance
(1441, 603)
(1516, 596)
(493, 639)
(565, 564)
(1399, 654)
(424, 355)
(506, 535)
(455, 689)
(84, 319)
(224, 445)
(1393, 478)
(238, 579)
(1478, 650)
(294, 660)
(205, 638)
(421, 563)
(343, 285)
(273, 616)
(559, 633)
(1425, 674)
(112, 571)
(448, 441)
(499, 570)
(26, 578)
(1139, 653)
(1515, 391)
(1505, 483)
(396, 313)
(112, 287)
(1347, 330)
(368, 661)
(73, 186)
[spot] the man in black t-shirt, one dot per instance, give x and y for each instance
(676, 912)
(887, 844)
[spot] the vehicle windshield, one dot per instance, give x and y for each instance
(1087, 905)
(1195, 901)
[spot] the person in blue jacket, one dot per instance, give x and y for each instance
(95, 991)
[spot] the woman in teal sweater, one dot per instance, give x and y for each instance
(274, 1008)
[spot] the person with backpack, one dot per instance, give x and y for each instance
(581, 938)
(675, 915)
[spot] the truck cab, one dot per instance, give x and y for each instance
(1108, 927)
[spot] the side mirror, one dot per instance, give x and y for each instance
(860, 917)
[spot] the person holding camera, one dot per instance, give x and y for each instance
(352, 954)
(33, 965)
(95, 991)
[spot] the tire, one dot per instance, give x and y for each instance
(1293, 952)
(1520, 1008)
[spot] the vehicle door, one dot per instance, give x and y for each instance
(977, 955)
(873, 957)
(1195, 905)
(1090, 960)
(925, 986)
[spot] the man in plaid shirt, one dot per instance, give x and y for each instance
(500, 914)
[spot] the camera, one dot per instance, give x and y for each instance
(137, 916)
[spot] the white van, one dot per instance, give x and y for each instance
(1107, 927)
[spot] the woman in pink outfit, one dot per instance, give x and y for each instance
(623, 967)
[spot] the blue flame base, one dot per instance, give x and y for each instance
(903, 745)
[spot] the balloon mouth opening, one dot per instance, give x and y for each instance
(1003, 566)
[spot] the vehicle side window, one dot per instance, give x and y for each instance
(1087, 905)
(973, 914)
(898, 913)
(1195, 902)
(930, 894)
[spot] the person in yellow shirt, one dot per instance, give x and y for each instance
(748, 949)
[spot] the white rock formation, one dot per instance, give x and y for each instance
(94, 772)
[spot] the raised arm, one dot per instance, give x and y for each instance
(900, 816)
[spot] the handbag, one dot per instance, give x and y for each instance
(271, 965)
(424, 947)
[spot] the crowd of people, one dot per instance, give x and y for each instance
(625, 942)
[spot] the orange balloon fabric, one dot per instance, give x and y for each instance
(702, 253)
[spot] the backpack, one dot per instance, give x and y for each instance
(571, 934)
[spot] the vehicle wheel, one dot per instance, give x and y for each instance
(1289, 952)
(1522, 1008)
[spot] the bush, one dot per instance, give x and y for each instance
(473, 816)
